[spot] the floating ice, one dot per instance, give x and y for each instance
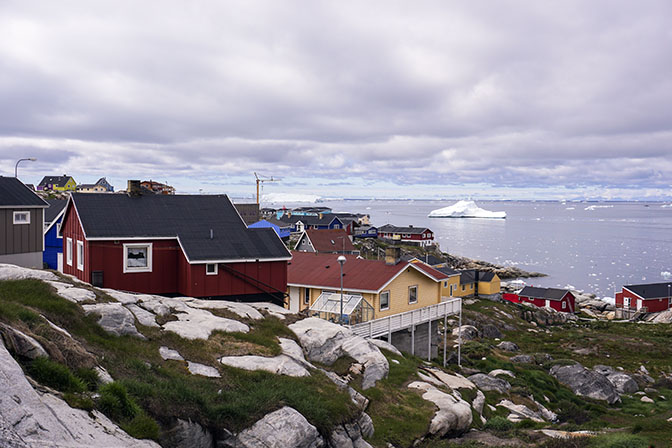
(666, 275)
(465, 209)
(594, 207)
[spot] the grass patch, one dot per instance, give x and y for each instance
(498, 424)
(266, 333)
(142, 427)
(619, 440)
(79, 401)
(55, 375)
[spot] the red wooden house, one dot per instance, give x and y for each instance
(420, 236)
(558, 299)
(654, 297)
(191, 245)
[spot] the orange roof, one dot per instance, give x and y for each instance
(330, 240)
(317, 270)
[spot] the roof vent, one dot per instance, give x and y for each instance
(212, 234)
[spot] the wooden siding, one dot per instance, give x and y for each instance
(21, 238)
(652, 305)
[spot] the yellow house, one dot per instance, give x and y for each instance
(57, 183)
(386, 287)
(488, 283)
(451, 283)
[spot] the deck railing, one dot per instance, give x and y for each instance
(395, 322)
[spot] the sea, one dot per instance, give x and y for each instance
(595, 247)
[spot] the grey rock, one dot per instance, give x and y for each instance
(489, 383)
(646, 400)
(144, 317)
(352, 434)
(103, 375)
(21, 344)
(541, 358)
(519, 412)
(203, 370)
(469, 332)
(168, 353)
(508, 346)
(623, 382)
(586, 383)
(522, 359)
(283, 428)
(478, 402)
(650, 391)
(491, 332)
(186, 433)
(604, 370)
(114, 318)
(454, 415)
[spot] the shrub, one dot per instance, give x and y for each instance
(89, 377)
(116, 404)
(498, 424)
(55, 375)
(79, 401)
(142, 427)
(570, 412)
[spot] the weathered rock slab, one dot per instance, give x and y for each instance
(168, 353)
(72, 293)
(586, 383)
(489, 383)
(203, 370)
(454, 415)
(13, 272)
(21, 344)
(283, 428)
(114, 318)
(144, 317)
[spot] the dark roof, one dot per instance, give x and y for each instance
(310, 220)
(187, 217)
(651, 290)
(56, 181)
(389, 228)
(427, 258)
(14, 193)
(330, 240)
(469, 276)
(543, 293)
(313, 209)
(448, 271)
(55, 207)
(281, 224)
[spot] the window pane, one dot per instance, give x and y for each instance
(137, 257)
(384, 300)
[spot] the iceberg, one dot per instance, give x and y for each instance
(465, 209)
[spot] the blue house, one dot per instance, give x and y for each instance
(53, 241)
(283, 230)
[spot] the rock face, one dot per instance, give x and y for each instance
(186, 433)
(491, 332)
(469, 332)
(522, 359)
(13, 272)
(283, 428)
(72, 293)
(290, 363)
(454, 414)
(351, 435)
(44, 420)
(586, 383)
(508, 346)
(144, 317)
(21, 344)
(114, 318)
(325, 342)
(489, 383)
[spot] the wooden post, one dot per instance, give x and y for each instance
(413, 333)
(429, 340)
(445, 334)
(370, 329)
(389, 330)
(459, 337)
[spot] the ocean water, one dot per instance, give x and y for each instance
(595, 247)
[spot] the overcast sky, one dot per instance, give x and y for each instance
(498, 99)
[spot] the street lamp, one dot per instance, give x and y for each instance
(16, 167)
(341, 261)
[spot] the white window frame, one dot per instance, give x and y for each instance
(388, 300)
(80, 255)
(58, 230)
(130, 270)
(215, 272)
(21, 213)
(68, 251)
(564, 305)
(413, 288)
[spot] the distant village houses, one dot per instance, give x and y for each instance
(57, 183)
(157, 187)
(101, 186)
(420, 236)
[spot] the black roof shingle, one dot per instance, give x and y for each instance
(651, 290)
(56, 181)
(469, 276)
(389, 228)
(543, 293)
(55, 207)
(190, 218)
(13, 193)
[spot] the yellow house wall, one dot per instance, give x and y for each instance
(492, 287)
(428, 293)
(70, 186)
(455, 282)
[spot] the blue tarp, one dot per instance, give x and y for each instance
(282, 233)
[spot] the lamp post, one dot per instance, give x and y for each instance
(341, 261)
(669, 297)
(16, 167)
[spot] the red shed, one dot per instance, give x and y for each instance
(191, 245)
(558, 299)
(654, 297)
(420, 236)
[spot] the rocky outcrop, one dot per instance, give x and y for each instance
(185, 433)
(469, 332)
(586, 383)
(290, 363)
(623, 382)
(491, 332)
(72, 293)
(114, 318)
(490, 383)
(522, 359)
(325, 342)
(13, 272)
(454, 415)
(351, 435)
(455, 381)
(508, 346)
(41, 420)
(283, 428)
(193, 323)
(21, 344)
(145, 317)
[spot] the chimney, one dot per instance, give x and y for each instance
(476, 275)
(134, 189)
(392, 255)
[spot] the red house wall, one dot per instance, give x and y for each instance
(652, 305)
(70, 228)
(238, 279)
(568, 299)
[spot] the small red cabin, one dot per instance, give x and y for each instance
(654, 297)
(420, 236)
(558, 299)
(191, 245)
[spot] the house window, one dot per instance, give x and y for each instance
(138, 257)
(58, 230)
(463, 286)
(21, 217)
(68, 251)
(211, 269)
(451, 290)
(564, 305)
(412, 294)
(306, 296)
(80, 255)
(445, 284)
(384, 300)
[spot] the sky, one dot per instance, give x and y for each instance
(431, 99)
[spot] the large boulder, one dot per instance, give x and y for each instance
(114, 318)
(454, 415)
(325, 342)
(490, 383)
(522, 359)
(508, 346)
(469, 332)
(283, 428)
(186, 433)
(586, 383)
(491, 332)
(41, 420)
(623, 383)
(21, 344)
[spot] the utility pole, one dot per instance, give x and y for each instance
(261, 180)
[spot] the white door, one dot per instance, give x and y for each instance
(548, 303)
(626, 302)
(59, 262)
(639, 303)
(294, 298)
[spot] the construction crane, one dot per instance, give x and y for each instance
(261, 180)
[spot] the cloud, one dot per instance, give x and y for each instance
(505, 95)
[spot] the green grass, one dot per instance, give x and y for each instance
(619, 440)
(265, 333)
(498, 425)
(55, 375)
